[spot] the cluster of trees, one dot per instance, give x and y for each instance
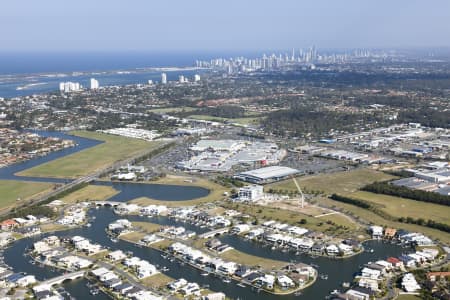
(429, 223)
(426, 116)
(404, 192)
(301, 120)
(356, 202)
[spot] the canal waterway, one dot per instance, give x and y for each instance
(9, 172)
(338, 270)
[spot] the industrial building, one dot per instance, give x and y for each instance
(267, 174)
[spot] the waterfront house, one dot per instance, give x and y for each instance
(285, 282)
(214, 296)
(255, 233)
(408, 261)
(357, 293)
(368, 283)
(5, 238)
(111, 283)
(370, 273)
(123, 288)
(107, 276)
(318, 248)
(345, 249)
(242, 271)
(267, 281)
(376, 231)
(146, 269)
(99, 272)
(228, 268)
(390, 233)
(117, 255)
(191, 288)
(240, 228)
(8, 224)
(332, 250)
(177, 284)
(396, 263)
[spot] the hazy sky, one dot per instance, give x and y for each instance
(203, 25)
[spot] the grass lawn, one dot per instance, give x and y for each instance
(339, 182)
(87, 161)
(242, 121)
(216, 191)
(157, 281)
(401, 207)
(90, 193)
(251, 260)
(12, 190)
(146, 226)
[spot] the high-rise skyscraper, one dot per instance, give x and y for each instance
(94, 84)
(163, 78)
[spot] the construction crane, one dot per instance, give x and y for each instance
(302, 197)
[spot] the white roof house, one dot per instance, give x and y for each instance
(332, 249)
(377, 231)
(409, 283)
(370, 273)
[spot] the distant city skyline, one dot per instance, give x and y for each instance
(201, 25)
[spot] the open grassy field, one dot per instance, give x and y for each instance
(216, 191)
(90, 193)
(340, 182)
(242, 121)
(166, 110)
(82, 163)
(401, 207)
(11, 191)
(373, 218)
(251, 260)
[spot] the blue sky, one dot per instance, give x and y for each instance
(205, 25)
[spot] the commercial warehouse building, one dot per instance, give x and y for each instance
(267, 174)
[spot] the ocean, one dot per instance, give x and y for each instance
(24, 73)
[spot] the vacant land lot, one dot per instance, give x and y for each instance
(251, 260)
(146, 226)
(17, 192)
(340, 182)
(82, 163)
(90, 193)
(401, 207)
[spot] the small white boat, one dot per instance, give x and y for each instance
(204, 274)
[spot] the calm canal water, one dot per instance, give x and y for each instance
(8, 173)
(337, 270)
